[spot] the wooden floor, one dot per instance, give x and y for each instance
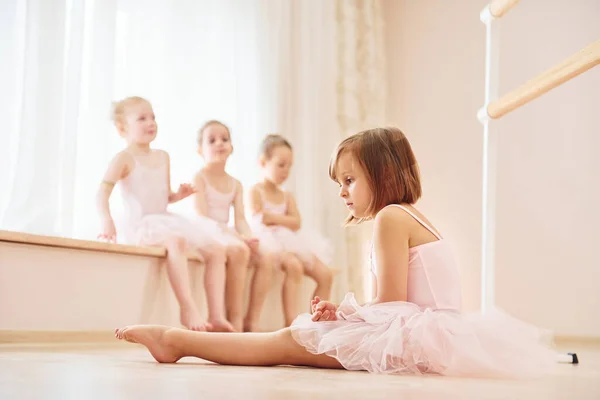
(125, 371)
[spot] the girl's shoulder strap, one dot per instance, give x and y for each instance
(234, 185)
(261, 192)
(419, 220)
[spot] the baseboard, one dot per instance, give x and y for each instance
(55, 337)
(577, 340)
(74, 337)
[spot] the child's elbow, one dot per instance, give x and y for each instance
(240, 222)
(101, 195)
(200, 211)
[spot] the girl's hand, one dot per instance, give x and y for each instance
(109, 233)
(267, 219)
(323, 310)
(252, 243)
(185, 190)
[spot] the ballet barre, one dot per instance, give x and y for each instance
(497, 9)
(496, 107)
(575, 65)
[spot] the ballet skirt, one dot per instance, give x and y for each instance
(428, 334)
(307, 245)
(146, 219)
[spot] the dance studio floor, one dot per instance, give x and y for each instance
(126, 371)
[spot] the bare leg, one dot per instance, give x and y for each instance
(168, 345)
(238, 257)
(177, 270)
(214, 286)
(291, 285)
(261, 283)
(324, 278)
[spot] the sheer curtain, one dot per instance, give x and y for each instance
(309, 69)
(64, 62)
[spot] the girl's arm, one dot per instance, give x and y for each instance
(291, 220)
(391, 238)
(184, 190)
(255, 200)
(200, 202)
(241, 225)
(374, 286)
(118, 169)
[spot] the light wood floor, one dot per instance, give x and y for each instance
(126, 371)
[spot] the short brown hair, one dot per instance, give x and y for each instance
(206, 125)
(389, 163)
(270, 142)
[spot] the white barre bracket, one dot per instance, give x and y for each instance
(486, 15)
(482, 114)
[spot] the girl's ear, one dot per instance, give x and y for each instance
(121, 128)
(262, 161)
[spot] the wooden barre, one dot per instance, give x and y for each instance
(499, 8)
(568, 69)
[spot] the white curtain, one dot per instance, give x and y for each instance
(63, 62)
(309, 69)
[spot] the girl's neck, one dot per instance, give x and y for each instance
(270, 186)
(215, 169)
(139, 149)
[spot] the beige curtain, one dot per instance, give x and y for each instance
(330, 68)
(360, 94)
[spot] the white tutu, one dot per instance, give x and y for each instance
(304, 244)
(156, 229)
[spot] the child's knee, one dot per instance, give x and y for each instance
(239, 252)
(326, 278)
(266, 260)
(293, 266)
(213, 252)
(176, 244)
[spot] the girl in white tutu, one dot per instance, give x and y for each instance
(143, 174)
(414, 325)
(276, 221)
(217, 193)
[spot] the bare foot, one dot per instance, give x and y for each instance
(220, 325)
(238, 323)
(191, 319)
(153, 337)
(250, 326)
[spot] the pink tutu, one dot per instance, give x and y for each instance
(306, 245)
(156, 229)
(402, 338)
(147, 221)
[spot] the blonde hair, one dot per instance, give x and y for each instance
(119, 109)
(206, 125)
(389, 164)
(270, 142)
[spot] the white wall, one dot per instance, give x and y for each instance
(547, 268)
(436, 76)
